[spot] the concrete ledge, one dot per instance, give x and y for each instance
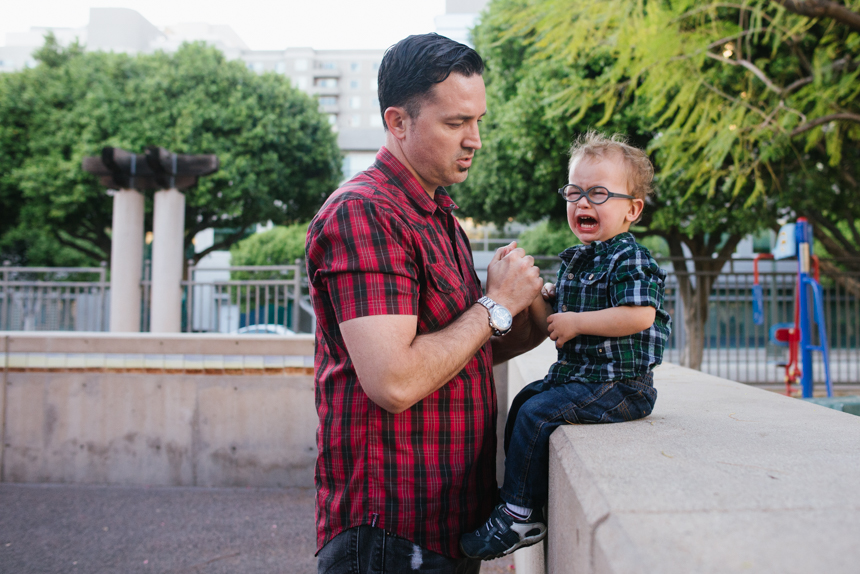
(720, 478)
(156, 343)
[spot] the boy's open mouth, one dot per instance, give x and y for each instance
(586, 222)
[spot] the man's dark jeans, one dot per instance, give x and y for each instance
(541, 407)
(369, 550)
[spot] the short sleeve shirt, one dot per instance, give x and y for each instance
(382, 246)
(598, 276)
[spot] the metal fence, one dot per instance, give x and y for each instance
(734, 346)
(53, 299)
(241, 299)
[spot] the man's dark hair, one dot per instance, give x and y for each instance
(411, 67)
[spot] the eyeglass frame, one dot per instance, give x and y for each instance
(587, 194)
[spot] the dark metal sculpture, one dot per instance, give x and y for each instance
(155, 169)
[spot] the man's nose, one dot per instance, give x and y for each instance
(473, 138)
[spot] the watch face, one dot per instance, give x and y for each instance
(502, 318)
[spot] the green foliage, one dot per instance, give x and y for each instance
(279, 158)
(735, 102)
(548, 238)
(281, 245)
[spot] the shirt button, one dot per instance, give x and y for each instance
(570, 275)
(564, 307)
(591, 276)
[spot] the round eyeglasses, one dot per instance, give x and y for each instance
(595, 195)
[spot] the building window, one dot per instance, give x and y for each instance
(256, 66)
(325, 66)
(325, 82)
(355, 67)
(301, 64)
(375, 66)
(281, 67)
(376, 120)
(374, 101)
(355, 102)
(328, 100)
(355, 121)
(301, 82)
(353, 84)
(374, 84)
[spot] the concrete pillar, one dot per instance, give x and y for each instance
(126, 256)
(168, 231)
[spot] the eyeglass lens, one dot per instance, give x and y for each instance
(596, 195)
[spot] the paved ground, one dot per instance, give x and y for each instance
(129, 530)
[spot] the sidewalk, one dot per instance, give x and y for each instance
(115, 529)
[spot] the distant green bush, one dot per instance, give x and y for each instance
(547, 238)
(281, 245)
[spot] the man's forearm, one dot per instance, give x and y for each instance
(397, 371)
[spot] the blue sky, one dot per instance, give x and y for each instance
(262, 24)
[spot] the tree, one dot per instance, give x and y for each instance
(279, 158)
(729, 98)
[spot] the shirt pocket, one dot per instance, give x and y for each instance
(593, 291)
(443, 300)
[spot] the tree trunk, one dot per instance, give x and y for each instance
(694, 287)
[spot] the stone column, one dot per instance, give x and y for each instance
(126, 256)
(168, 230)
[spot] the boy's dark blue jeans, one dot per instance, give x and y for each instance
(541, 407)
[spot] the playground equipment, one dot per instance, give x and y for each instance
(795, 240)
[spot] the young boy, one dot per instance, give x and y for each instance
(606, 317)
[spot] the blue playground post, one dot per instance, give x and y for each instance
(805, 283)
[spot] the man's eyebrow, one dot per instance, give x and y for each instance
(466, 116)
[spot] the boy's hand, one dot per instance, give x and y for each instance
(548, 291)
(562, 327)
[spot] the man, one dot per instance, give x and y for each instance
(404, 348)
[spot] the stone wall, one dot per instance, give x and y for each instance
(720, 478)
(169, 410)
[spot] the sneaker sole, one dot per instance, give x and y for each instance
(527, 541)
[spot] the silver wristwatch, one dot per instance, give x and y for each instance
(500, 318)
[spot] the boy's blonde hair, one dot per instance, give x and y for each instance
(640, 172)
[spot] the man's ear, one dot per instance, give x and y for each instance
(636, 207)
(397, 121)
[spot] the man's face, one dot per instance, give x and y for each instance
(439, 144)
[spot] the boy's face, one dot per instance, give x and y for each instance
(601, 222)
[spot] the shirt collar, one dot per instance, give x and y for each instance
(596, 247)
(402, 178)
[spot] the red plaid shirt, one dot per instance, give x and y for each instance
(381, 246)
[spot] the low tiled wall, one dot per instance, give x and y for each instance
(721, 478)
(175, 410)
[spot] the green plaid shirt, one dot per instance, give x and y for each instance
(605, 274)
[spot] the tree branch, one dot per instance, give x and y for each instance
(737, 101)
(825, 120)
(86, 251)
(836, 243)
(822, 9)
(749, 66)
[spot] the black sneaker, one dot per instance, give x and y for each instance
(502, 534)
